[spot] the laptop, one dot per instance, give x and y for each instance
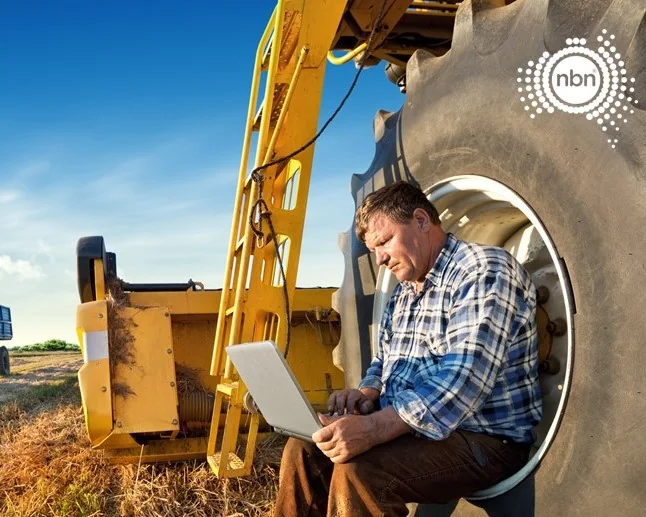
(274, 388)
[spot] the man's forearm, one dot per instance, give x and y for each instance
(388, 425)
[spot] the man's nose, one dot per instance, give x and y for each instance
(382, 258)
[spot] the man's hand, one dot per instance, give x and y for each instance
(352, 401)
(345, 437)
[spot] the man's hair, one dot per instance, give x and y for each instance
(397, 202)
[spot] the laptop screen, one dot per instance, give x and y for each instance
(274, 388)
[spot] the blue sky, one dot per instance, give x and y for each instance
(121, 120)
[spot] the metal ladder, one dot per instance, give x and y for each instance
(292, 57)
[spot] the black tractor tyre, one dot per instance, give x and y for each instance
(5, 367)
(462, 116)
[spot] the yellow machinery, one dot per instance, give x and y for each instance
(146, 385)
(135, 341)
(557, 190)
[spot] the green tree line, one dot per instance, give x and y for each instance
(51, 345)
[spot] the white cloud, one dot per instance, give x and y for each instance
(44, 249)
(8, 196)
(19, 268)
(31, 170)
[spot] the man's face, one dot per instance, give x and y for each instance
(403, 248)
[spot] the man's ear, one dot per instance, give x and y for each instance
(422, 219)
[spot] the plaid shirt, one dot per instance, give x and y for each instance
(463, 351)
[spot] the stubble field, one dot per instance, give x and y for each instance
(47, 467)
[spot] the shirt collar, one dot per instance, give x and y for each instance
(434, 276)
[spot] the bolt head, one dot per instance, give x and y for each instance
(542, 294)
(104, 389)
(169, 351)
(172, 384)
(174, 422)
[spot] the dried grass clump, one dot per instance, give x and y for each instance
(48, 468)
(115, 293)
(121, 389)
(189, 380)
(120, 337)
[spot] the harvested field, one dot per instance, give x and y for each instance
(29, 370)
(48, 467)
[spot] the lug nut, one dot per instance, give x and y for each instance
(557, 327)
(542, 294)
(551, 365)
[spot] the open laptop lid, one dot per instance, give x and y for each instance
(274, 388)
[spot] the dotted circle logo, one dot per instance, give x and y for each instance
(579, 80)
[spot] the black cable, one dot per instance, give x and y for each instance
(258, 178)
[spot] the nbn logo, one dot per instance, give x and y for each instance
(574, 79)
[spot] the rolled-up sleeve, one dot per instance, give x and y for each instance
(482, 318)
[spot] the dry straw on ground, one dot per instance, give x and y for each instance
(48, 468)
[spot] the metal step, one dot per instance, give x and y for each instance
(233, 462)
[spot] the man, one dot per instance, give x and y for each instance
(448, 405)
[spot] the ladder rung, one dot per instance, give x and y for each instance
(229, 311)
(256, 120)
(279, 94)
(226, 388)
(264, 64)
(233, 461)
